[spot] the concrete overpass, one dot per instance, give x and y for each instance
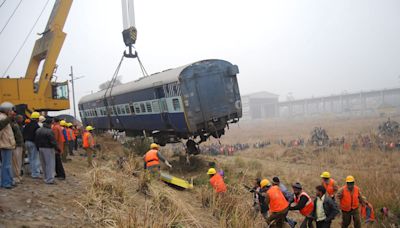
(361, 103)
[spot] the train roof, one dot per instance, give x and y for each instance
(164, 77)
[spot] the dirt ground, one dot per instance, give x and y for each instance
(35, 204)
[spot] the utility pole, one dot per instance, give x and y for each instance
(73, 88)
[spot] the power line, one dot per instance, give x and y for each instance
(26, 39)
(9, 19)
(2, 3)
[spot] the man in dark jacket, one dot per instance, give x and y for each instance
(29, 137)
(325, 209)
(47, 145)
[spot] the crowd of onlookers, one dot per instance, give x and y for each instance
(37, 146)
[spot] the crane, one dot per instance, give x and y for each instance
(40, 92)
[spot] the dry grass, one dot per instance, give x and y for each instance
(116, 198)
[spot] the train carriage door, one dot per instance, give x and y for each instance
(160, 95)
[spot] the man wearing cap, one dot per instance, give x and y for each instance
(47, 145)
(65, 152)
(88, 144)
(7, 144)
(278, 205)
(350, 199)
(304, 204)
(329, 184)
(216, 181)
(153, 157)
(29, 134)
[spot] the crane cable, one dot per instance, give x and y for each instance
(2, 3)
(110, 88)
(11, 16)
(26, 39)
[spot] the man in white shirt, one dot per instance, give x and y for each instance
(325, 209)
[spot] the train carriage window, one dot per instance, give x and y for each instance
(148, 106)
(127, 110)
(176, 105)
(137, 108)
(114, 110)
(94, 112)
(142, 108)
(156, 106)
(123, 110)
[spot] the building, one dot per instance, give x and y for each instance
(260, 105)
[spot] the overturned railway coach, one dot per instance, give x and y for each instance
(195, 100)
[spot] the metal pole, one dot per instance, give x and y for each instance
(73, 90)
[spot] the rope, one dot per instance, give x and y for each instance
(9, 19)
(26, 39)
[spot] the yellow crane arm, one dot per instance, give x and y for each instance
(48, 48)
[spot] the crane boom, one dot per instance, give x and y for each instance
(44, 95)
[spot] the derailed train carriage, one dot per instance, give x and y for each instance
(194, 101)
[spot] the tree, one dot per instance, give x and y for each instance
(105, 85)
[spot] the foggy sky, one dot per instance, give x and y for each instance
(307, 48)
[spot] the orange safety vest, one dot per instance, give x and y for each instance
(364, 212)
(69, 134)
(217, 182)
(277, 201)
(329, 187)
(349, 199)
(76, 132)
(87, 140)
(151, 158)
(306, 210)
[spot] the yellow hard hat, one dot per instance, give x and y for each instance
(211, 171)
(69, 124)
(326, 175)
(63, 123)
(89, 128)
(264, 183)
(350, 179)
(35, 115)
(154, 146)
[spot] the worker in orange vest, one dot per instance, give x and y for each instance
(77, 135)
(153, 157)
(71, 139)
(216, 181)
(350, 199)
(329, 184)
(278, 205)
(58, 135)
(304, 204)
(88, 144)
(367, 212)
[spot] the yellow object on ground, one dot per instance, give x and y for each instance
(176, 181)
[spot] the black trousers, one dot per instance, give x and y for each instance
(307, 222)
(323, 224)
(59, 167)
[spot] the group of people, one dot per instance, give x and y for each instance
(322, 209)
(47, 143)
(274, 201)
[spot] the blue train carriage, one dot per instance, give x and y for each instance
(191, 102)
